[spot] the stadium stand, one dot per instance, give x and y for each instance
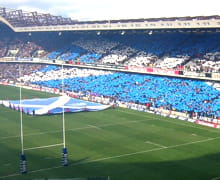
(189, 51)
(197, 52)
(10, 72)
(183, 95)
(19, 18)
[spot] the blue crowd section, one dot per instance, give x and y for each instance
(170, 93)
(72, 53)
(59, 52)
(158, 44)
(90, 58)
(69, 52)
(54, 54)
(172, 44)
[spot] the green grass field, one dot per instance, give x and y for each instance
(120, 143)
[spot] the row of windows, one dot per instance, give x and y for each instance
(148, 24)
(128, 25)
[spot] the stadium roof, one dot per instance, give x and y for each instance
(19, 18)
(21, 21)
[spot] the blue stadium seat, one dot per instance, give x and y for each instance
(170, 93)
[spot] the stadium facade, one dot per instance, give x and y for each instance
(21, 21)
(184, 47)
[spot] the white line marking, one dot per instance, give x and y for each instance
(11, 175)
(41, 147)
(39, 170)
(92, 126)
(112, 124)
(194, 142)
(31, 134)
(107, 125)
(74, 129)
(150, 142)
(151, 150)
(196, 126)
(117, 156)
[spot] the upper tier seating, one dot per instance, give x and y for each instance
(191, 51)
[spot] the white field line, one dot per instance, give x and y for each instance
(92, 126)
(46, 132)
(11, 175)
(187, 125)
(41, 147)
(155, 144)
(111, 124)
(146, 151)
(74, 129)
(117, 156)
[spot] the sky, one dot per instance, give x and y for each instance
(117, 9)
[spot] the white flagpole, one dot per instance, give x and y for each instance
(22, 156)
(64, 151)
(64, 136)
(21, 117)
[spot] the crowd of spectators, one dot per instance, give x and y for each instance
(183, 95)
(142, 59)
(203, 65)
(3, 47)
(190, 96)
(9, 73)
(96, 44)
(198, 52)
(118, 55)
(54, 73)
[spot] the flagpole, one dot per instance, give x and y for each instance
(22, 155)
(64, 136)
(21, 117)
(64, 150)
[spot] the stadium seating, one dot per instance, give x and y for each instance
(72, 53)
(194, 51)
(90, 58)
(161, 92)
(49, 68)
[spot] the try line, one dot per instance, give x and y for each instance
(155, 144)
(41, 147)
